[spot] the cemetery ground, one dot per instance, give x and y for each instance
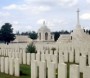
(25, 72)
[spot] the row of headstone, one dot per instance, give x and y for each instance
(69, 54)
(42, 71)
(61, 56)
(52, 72)
(5, 52)
(24, 58)
(10, 66)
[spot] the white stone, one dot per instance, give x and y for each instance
(82, 63)
(62, 70)
(10, 55)
(77, 56)
(42, 57)
(38, 57)
(42, 69)
(74, 71)
(61, 59)
(11, 66)
(86, 73)
(33, 69)
(2, 64)
(51, 52)
(17, 67)
(6, 65)
(71, 56)
(89, 59)
(55, 60)
(33, 56)
(51, 70)
(48, 57)
(24, 57)
(66, 56)
(28, 58)
(20, 57)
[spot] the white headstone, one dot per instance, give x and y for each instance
(20, 57)
(82, 63)
(33, 69)
(17, 67)
(28, 58)
(33, 56)
(62, 70)
(61, 59)
(74, 71)
(42, 69)
(55, 60)
(24, 57)
(11, 66)
(2, 64)
(6, 65)
(42, 57)
(51, 70)
(86, 73)
(71, 56)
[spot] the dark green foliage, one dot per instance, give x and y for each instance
(33, 35)
(31, 48)
(6, 33)
(24, 33)
(87, 31)
(57, 34)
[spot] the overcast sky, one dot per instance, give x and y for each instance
(28, 15)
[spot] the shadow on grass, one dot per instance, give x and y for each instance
(23, 74)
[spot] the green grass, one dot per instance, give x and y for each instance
(24, 72)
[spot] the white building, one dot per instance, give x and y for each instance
(22, 39)
(44, 34)
(78, 34)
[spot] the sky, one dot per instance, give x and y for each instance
(28, 15)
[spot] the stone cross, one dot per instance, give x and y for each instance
(78, 19)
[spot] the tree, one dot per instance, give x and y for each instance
(7, 33)
(58, 33)
(31, 48)
(33, 35)
(17, 33)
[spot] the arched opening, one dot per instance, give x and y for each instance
(39, 36)
(71, 37)
(51, 37)
(46, 36)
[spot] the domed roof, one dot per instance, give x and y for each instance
(44, 28)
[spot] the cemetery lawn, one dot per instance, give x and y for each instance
(24, 72)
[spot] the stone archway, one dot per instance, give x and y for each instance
(46, 36)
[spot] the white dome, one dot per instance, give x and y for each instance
(44, 28)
